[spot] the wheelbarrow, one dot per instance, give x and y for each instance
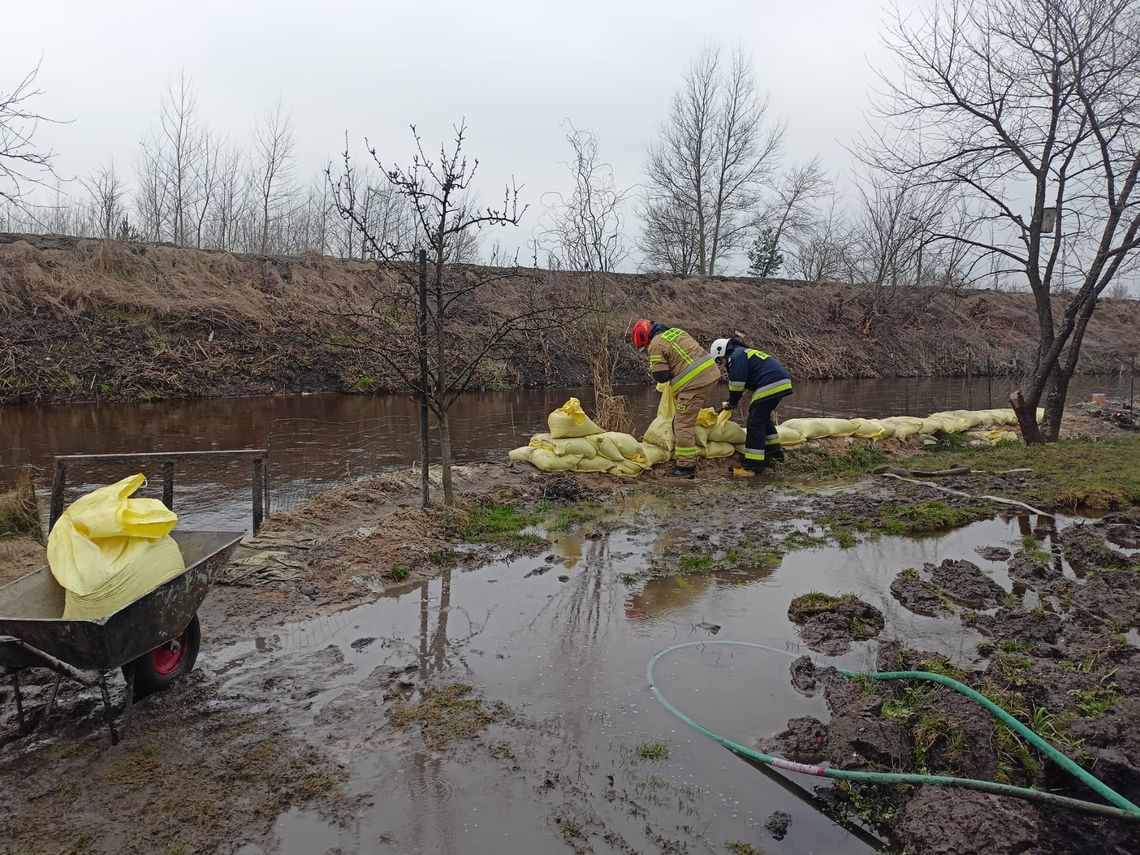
(153, 641)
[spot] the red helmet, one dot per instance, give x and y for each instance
(639, 335)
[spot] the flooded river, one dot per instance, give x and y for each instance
(316, 441)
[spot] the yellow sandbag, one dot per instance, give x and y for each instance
(701, 434)
(996, 435)
(869, 428)
(902, 427)
(604, 444)
(718, 449)
(654, 453)
(627, 469)
(521, 455)
(627, 446)
(108, 549)
(818, 428)
(574, 445)
(548, 461)
(723, 416)
(727, 431)
(706, 418)
(789, 436)
(570, 420)
(597, 463)
(660, 430)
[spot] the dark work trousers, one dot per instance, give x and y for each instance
(763, 442)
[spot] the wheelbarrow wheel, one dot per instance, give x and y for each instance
(162, 666)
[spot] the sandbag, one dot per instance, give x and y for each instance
(818, 428)
(626, 445)
(570, 420)
(868, 428)
(715, 450)
(626, 468)
(902, 427)
(789, 436)
(707, 418)
(606, 447)
(574, 445)
(107, 550)
(597, 463)
(727, 431)
(548, 461)
(521, 455)
(654, 454)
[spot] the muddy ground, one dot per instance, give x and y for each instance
(379, 678)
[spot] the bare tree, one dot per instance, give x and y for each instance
(21, 162)
(1028, 107)
(272, 169)
(790, 212)
(669, 236)
(449, 351)
(822, 251)
(181, 143)
(206, 176)
(586, 225)
(714, 154)
(152, 196)
(106, 191)
(230, 199)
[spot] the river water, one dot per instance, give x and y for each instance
(317, 441)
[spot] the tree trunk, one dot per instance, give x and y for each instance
(445, 457)
(1025, 407)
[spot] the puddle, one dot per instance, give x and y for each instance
(570, 656)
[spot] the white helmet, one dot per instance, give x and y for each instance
(719, 348)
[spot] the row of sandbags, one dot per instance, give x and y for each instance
(796, 431)
(574, 443)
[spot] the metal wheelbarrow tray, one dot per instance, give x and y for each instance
(34, 635)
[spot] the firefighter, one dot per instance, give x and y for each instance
(768, 382)
(677, 359)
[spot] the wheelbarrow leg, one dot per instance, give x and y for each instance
(50, 701)
(107, 709)
(19, 701)
(129, 672)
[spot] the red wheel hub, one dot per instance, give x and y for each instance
(166, 659)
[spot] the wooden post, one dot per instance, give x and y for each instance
(168, 484)
(268, 489)
(258, 492)
(57, 486)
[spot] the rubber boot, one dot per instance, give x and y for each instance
(680, 472)
(741, 472)
(774, 452)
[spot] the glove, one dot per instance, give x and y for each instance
(726, 406)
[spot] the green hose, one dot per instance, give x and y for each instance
(1122, 807)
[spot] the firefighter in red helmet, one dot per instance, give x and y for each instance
(676, 358)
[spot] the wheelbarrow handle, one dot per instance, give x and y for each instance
(59, 666)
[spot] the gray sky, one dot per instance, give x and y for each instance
(514, 69)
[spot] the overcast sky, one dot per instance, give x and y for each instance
(514, 69)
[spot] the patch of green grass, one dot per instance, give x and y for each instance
(860, 457)
(802, 540)
(570, 828)
(1016, 645)
(815, 601)
(653, 751)
(566, 519)
(904, 708)
(739, 847)
(1053, 726)
(1032, 547)
(927, 517)
(695, 563)
(400, 572)
(844, 536)
(502, 524)
(628, 579)
(934, 731)
(1087, 475)
(448, 713)
(1093, 702)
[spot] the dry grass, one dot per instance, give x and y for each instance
(19, 514)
